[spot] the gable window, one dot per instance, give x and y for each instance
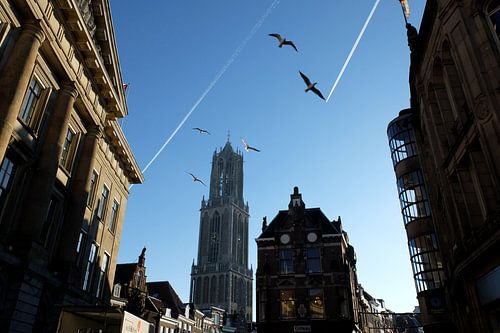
(31, 109)
(316, 304)
(93, 184)
(494, 14)
(286, 261)
(7, 169)
(313, 260)
(102, 275)
(102, 202)
(287, 300)
(69, 146)
(113, 216)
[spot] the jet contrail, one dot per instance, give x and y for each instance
(216, 79)
(361, 33)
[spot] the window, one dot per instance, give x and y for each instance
(316, 304)
(313, 260)
(401, 139)
(6, 172)
(494, 14)
(426, 262)
(287, 300)
(101, 282)
(80, 246)
(213, 253)
(89, 267)
(113, 216)
(413, 196)
(93, 184)
(286, 261)
(50, 227)
(68, 150)
(31, 111)
(102, 202)
(117, 290)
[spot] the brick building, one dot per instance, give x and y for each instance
(65, 165)
(446, 155)
(306, 273)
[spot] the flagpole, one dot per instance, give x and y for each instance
(403, 11)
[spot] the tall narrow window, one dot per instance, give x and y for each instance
(102, 203)
(50, 227)
(287, 300)
(101, 283)
(6, 172)
(89, 267)
(313, 260)
(28, 113)
(113, 216)
(214, 238)
(494, 13)
(68, 149)
(80, 247)
(316, 304)
(93, 184)
(286, 261)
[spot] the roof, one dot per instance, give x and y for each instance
(124, 273)
(163, 291)
(312, 214)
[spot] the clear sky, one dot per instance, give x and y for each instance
(336, 152)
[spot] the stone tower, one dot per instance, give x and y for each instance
(221, 276)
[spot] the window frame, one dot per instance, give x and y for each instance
(287, 313)
(103, 273)
(80, 247)
(93, 188)
(316, 259)
(113, 216)
(33, 120)
(89, 267)
(5, 189)
(101, 206)
(427, 265)
(311, 300)
(286, 262)
(489, 13)
(67, 163)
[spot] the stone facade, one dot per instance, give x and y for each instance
(306, 273)
(446, 155)
(65, 164)
(221, 276)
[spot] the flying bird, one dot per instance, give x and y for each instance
(196, 179)
(311, 86)
(283, 41)
(248, 147)
(201, 130)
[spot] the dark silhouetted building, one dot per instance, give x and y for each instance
(306, 273)
(446, 154)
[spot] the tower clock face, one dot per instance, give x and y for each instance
(312, 237)
(285, 239)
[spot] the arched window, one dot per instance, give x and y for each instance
(206, 288)
(221, 289)
(213, 253)
(494, 16)
(213, 290)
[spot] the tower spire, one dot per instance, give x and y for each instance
(228, 136)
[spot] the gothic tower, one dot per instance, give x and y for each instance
(221, 276)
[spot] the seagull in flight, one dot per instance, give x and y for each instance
(196, 179)
(283, 41)
(248, 147)
(201, 130)
(311, 86)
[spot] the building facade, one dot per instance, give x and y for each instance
(221, 276)
(65, 164)
(446, 155)
(306, 273)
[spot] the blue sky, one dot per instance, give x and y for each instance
(336, 152)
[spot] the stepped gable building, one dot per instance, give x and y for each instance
(446, 154)
(221, 276)
(65, 165)
(306, 273)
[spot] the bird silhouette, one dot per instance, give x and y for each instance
(283, 41)
(248, 147)
(311, 86)
(201, 130)
(196, 179)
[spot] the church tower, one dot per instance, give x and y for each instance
(221, 276)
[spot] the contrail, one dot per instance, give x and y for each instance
(216, 79)
(361, 33)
